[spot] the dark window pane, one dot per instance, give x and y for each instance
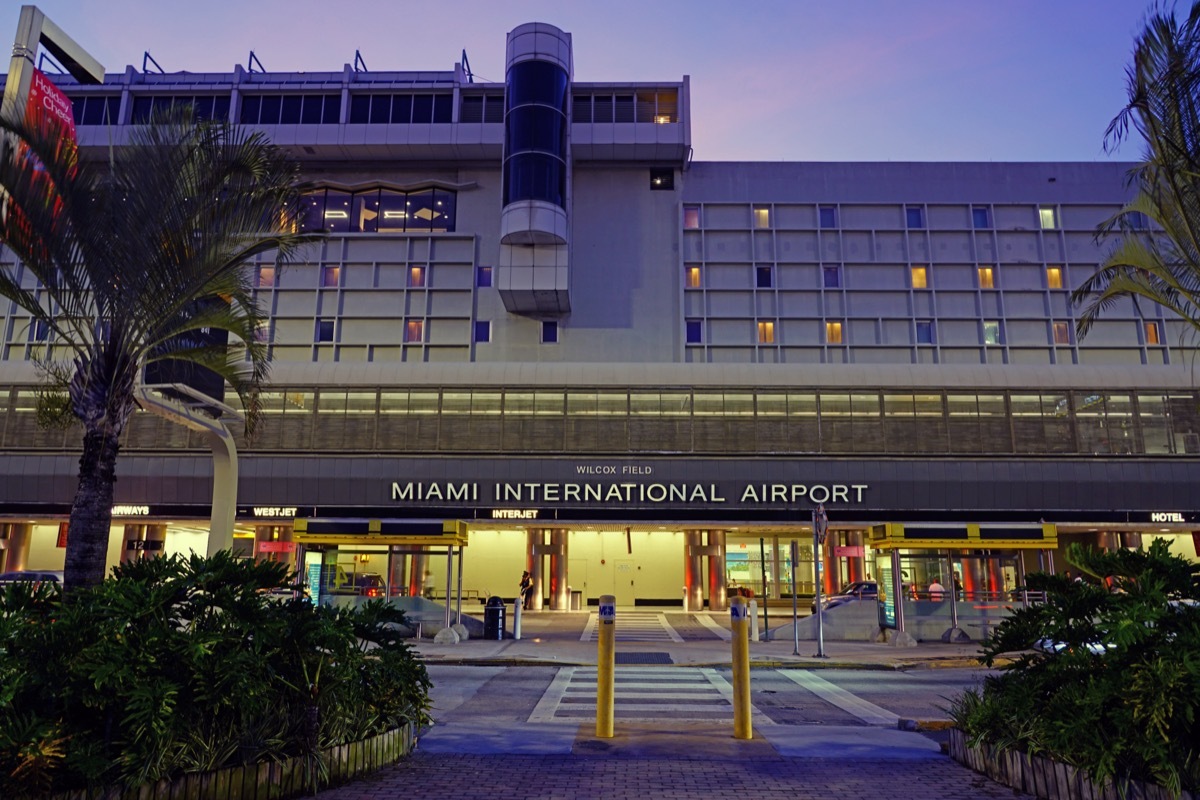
(312, 216)
(141, 109)
(250, 109)
(270, 109)
(979, 217)
(77, 109)
(441, 107)
(421, 211)
(914, 217)
(422, 109)
(324, 330)
(472, 109)
(550, 331)
(535, 128)
(483, 277)
(833, 277)
(289, 113)
(534, 176)
(444, 205)
(333, 109)
(602, 108)
(221, 107)
(337, 212)
(828, 217)
(662, 180)
(392, 211)
(204, 107)
(624, 108)
(694, 328)
(360, 108)
(483, 331)
(493, 110)
(366, 211)
(581, 108)
(537, 82)
(381, 109)
(92, 113)
(402, 105)
(311, 113)
(762, 278)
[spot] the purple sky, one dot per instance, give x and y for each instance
(794, 80)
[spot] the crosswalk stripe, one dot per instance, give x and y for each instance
(635, 626)
(866, 711)
(645, 694)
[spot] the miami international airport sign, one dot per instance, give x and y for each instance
(624, 493)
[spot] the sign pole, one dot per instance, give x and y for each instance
(795, 612)
(820, 526)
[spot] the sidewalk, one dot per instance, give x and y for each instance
(554, 638)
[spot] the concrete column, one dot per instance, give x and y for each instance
(693, 570)
(418, 563)
(560, 597)
(975, 581)
(263, 533)
(1131, 540)
(535, 539)
(133, 533)
(397, 570)
(158, 535)
(717, 598)
(776, 562)
(831, 577)
(17, 536)
(855, 565)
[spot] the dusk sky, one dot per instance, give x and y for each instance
(805, 80)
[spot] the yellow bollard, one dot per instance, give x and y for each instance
(740, 626)
(605, 661)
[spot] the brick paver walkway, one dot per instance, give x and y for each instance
(580, 777)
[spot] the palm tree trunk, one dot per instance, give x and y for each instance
(91, 513)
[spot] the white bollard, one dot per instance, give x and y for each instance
(753, 620)
(517, 618)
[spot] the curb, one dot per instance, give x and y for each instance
(517, 661)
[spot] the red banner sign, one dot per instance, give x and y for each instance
(276, 547)
(47, 106)
(848, 551)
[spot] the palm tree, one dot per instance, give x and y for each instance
(1163, 265)
(138, 260)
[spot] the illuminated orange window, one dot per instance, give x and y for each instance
(1054, 277)
(693, 277)
(1153, 333)
(414, 331)
(1062, 333)
(330, 276)
(833, 333)
(766, 332)
(416, 276)
(266, 277)
(987, 279)
(920, 279)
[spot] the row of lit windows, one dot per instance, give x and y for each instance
(831, 277)
(330, 276)
(660, 107)
(991, 329)
(914, 217)
(414, 331)
(378, 210)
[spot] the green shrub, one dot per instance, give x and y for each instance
(1121, 696)
(187, 664)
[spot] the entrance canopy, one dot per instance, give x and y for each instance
(351, 531)
(898, 536)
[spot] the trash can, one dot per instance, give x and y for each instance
(576, 599)
(493, 619)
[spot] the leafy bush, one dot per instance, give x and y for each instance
(1106, 678)
(187, 664)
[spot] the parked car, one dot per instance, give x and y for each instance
(853, 592)
(34, 576)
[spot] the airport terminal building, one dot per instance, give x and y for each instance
(538, 327)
